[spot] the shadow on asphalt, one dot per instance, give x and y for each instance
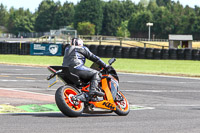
(62, 115)
(195, 108)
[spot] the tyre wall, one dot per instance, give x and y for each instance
(15, 48)
(110, 51)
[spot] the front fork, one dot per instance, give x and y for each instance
(119, 97)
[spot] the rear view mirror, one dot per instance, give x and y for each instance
(111, 61)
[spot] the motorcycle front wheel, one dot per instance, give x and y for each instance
(122, 107)
(65, 103)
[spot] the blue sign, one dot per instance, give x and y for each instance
(46, 49)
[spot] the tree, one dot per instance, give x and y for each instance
(86, 28)
(89, 11)
(196, 27)
(45, 16)
(3, 15)
(20, 21)
(144, 2)
(64, 15)
(112, 18)
(163, 2)
(163, 22)
(160, 3)
(137, 24)
(128, 8)
(68, 11)
(123, 30)
(152, 6)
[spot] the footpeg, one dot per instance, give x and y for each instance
(81, 97)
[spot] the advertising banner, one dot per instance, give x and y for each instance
(46, 49)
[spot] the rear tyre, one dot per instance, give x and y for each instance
(122, 107)
(65, 103)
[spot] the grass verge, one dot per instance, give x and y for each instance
(163, 67)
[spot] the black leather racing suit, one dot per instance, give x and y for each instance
(75, 57)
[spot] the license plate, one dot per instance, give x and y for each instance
(53, 81)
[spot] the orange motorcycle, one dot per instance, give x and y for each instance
(73, 98)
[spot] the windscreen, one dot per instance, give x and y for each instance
(95, 66)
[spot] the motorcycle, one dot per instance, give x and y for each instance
(73, 98)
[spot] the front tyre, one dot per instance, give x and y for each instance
(122, 106)
(65, 103)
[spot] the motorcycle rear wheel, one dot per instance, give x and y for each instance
(65, 103)
(122, 107)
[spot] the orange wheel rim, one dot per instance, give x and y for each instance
(68, 93)
(123, 105)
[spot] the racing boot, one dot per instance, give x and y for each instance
(93, 91)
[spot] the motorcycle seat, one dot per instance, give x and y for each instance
(67, 76)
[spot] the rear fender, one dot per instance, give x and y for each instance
(51, 69)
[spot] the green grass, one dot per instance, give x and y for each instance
(31, 60)
(167, 67)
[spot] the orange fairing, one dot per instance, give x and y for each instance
(106, 104)
(122, 103)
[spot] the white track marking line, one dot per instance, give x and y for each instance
(4, 80)
(177, 105)
(139, 107)
(152, 75)
(164, 91)
(159, 82)
(37, 88)
(31, 113)
(171, 105)
(7, 74)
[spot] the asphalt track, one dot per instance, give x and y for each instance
(168, 104)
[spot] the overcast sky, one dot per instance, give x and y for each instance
(33, 4)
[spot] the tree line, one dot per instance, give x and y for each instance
(113, 18)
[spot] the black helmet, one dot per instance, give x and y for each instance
(77, 42)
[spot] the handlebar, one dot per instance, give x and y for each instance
(111, 61)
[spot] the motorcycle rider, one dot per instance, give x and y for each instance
(74, 58)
